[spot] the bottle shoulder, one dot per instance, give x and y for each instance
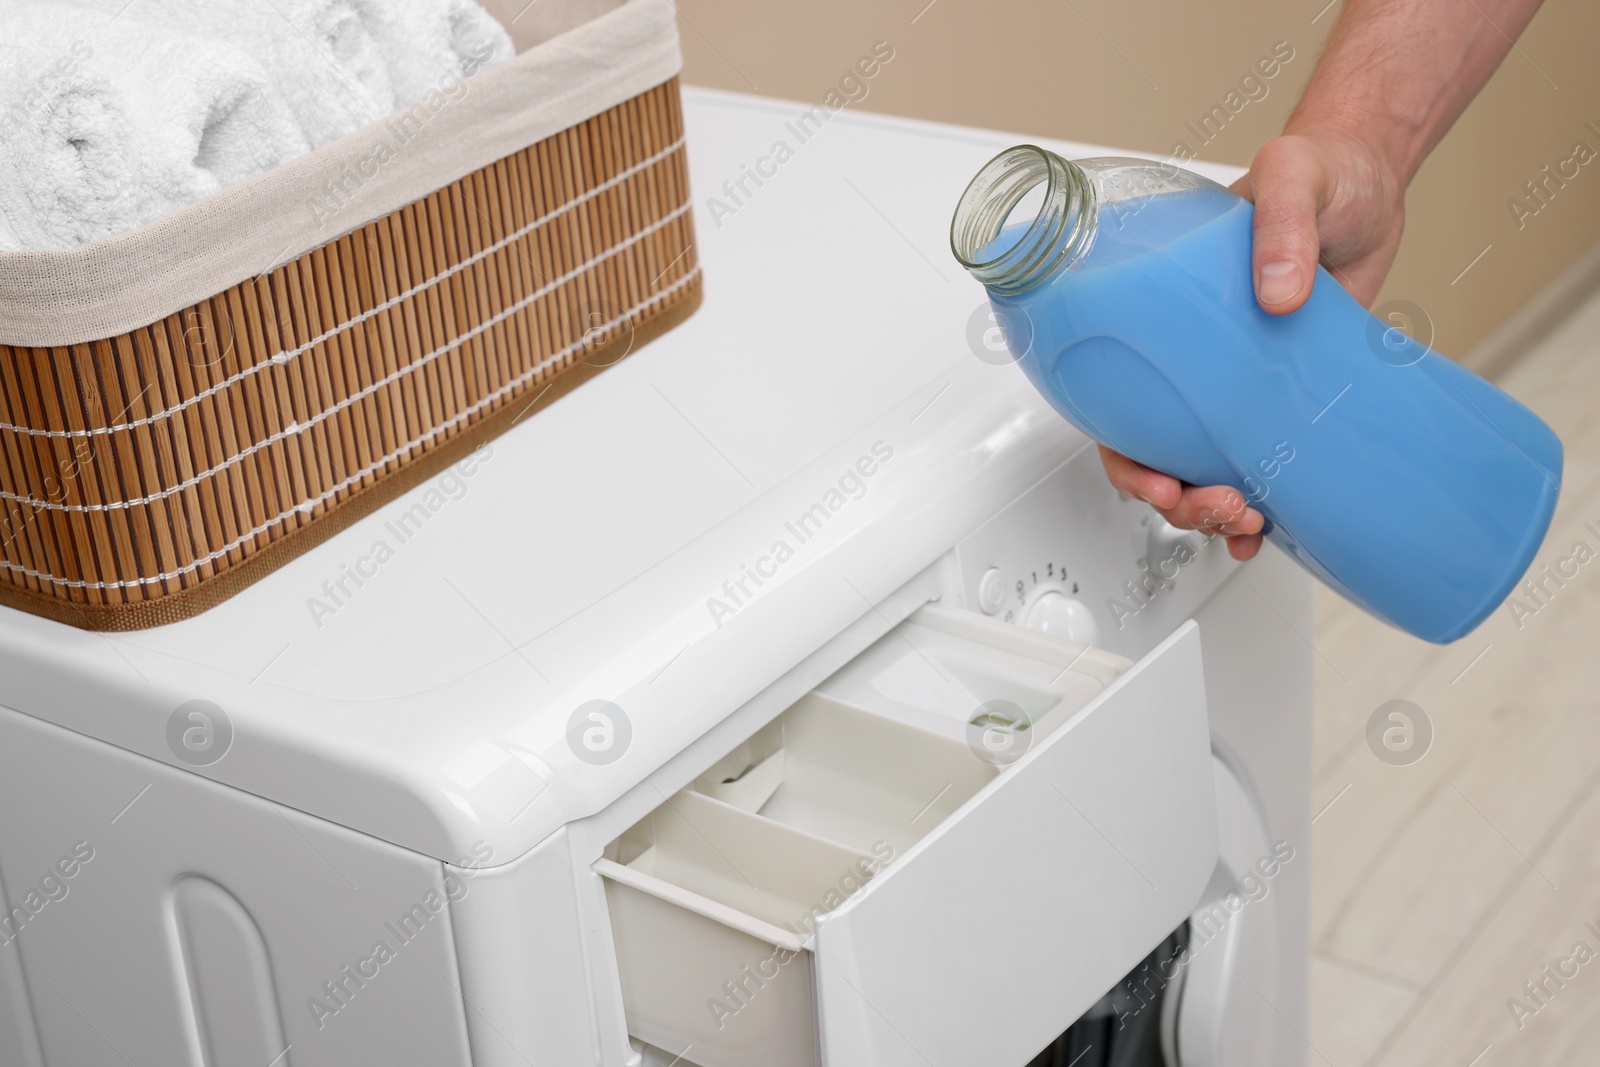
(1121, 178)
(1130, 228)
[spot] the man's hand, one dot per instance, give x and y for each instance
(1321, 192)
(1395, 76)
(1319, 189)
(1220, 510)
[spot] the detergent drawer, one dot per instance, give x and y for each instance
(942, 855)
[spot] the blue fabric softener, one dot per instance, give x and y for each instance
(1407, 483)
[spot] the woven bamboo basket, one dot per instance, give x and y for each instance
(149, 472)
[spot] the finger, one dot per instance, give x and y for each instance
(1244, 547)
(1219, 510)
(1286, 182)
(1137, 480)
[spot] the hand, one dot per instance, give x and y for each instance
(1322, 190)
(1319, 190)
(1218, 510)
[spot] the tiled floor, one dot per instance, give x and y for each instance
(1443, 885)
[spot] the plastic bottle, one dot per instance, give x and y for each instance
(1407, 483)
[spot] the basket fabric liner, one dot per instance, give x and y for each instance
(185, 407)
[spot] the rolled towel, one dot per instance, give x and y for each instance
(322, 55)
(203, 115)
(431, 45)
(68, 164)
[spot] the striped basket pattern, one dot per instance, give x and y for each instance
(148, 476)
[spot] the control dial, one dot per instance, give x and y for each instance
(1164, 544)
(1059, 615)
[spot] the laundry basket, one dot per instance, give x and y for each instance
(189, 405)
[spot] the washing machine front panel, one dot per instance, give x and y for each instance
(154, 917)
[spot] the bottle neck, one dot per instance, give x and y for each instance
(1027, 215)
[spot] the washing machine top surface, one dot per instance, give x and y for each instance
(666, 540)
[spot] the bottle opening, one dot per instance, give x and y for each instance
(1018, 221)
(1027, 214)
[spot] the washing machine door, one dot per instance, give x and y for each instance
(1220, 1016)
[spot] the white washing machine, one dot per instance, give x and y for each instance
(795, 693)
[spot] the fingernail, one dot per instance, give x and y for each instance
(1279, 281)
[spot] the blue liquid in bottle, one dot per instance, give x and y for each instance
(1410, 485)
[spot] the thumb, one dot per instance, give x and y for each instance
(1286, 183)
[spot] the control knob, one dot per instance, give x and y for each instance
(1060, 615)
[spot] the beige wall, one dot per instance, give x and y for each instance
(1132, 73)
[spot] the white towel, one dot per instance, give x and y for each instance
(68, 172)
(432, 45)
(202, 115)
(322, 55)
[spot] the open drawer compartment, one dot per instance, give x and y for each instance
(944, 854)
